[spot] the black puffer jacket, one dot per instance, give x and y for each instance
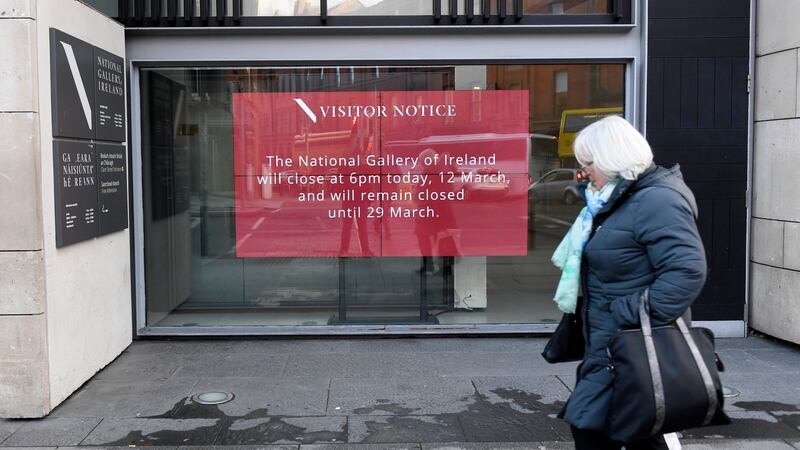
(645, 236)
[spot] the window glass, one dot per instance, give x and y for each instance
(196, 222)
(565, 6)
(564, 176)
(551, 7)
(548, 178)
(383, 7)
(272, 8)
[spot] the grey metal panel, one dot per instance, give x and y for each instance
(423, 46)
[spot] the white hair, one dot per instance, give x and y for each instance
(614, 148)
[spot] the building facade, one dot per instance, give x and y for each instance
(276, 177)
(775, 246)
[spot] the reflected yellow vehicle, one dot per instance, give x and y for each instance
(573, 121)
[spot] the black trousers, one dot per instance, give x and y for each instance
(596, 440)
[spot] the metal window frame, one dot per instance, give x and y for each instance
(620, 13)
(142, 329)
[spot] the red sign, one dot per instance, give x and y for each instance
(411, 173)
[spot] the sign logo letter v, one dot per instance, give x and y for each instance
(306, 109)
(76, 77)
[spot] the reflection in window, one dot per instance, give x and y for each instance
(565, 6)
(271, 8)
(561, 89)
(383, 7)
(550, 7)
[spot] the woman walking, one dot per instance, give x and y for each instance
(637, 231)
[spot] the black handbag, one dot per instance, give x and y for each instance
(567, 342)
(665, 379)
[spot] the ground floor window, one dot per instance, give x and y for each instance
(226, 245)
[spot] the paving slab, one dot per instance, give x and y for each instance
(487, 364)
(284, 430)
(236, 447)
(532, 346)
(745, 428)
(118, 447)
(232, 365)
(730, 444)
(791, 419)
(35, 448)
(8, 427)
(295, 346)
(488, 446)
(191, 447)
(363, 365)
(361, 447)
(431, 396)
(125, 399)
(298, 396)
(524, 394)
(272, 346)
(177, 348)
(785, 360)
(795, 444)
(131, 367)
(397, 429)
(51, 431)
(140, 432)
(568, 381)
(741, 362)
(557, 446)
(747, 343)
(500, 423)
(767, 391)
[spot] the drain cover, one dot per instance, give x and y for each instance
(212, 398)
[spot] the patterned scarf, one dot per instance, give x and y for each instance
(567, 256)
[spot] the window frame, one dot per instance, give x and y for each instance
(358, 47)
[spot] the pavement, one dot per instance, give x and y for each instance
(399, 393)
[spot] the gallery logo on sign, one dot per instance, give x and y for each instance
(88, 90)
(76, 77)
(378, 111)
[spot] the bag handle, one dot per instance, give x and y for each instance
(652, 360)
(655, 370)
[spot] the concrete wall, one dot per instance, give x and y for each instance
(775, 260)
(64, 313)
(24, 387)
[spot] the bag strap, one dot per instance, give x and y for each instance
(711, 391)
(652, 360)
(655, 371)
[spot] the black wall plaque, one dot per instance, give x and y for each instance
(112, 189)
(88, 90)
(109, 97)
(88, 102)
(72, 83)
(75, 170)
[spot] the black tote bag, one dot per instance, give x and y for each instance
(567, 342)
(665, 379)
